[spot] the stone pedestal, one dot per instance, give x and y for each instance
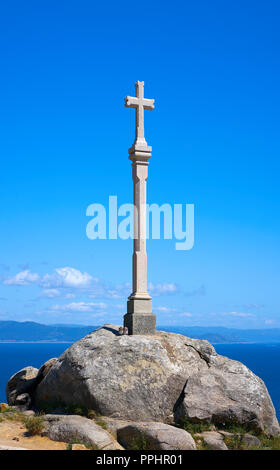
(140, 319)
(140, 323)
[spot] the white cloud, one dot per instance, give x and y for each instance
(253, 305)
(23, 278)
(50, 293)
(62, 277)
(239, 314)
(186, 314)
(70, 296)
(269, 322)
(79, 306)
(67, 281)
(165, 309)
(67, 277)
(162, 309)
(118, 292)
(162, 288)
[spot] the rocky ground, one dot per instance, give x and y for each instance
(165, 392)
(14, 435)
(25, 430)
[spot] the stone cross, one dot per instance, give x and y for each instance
(139, 318)
(139, 103)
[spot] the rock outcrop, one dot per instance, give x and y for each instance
(130, 377)
(213, 440)
(24, 381)
(149, 435)
(228, 393)
(23, 402)
(77, 428)
(250, 441)
(157, 378)
(45, 368)
(154, 436)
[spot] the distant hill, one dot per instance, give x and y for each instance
(219, 334)
(31, 331)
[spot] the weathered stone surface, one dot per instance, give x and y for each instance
(23, 402)
(29, 413)
(129, 377)
(154, 436)
(140, 323)
(228, 392)
(144, 378)
(113, 425)
(225, 433)
(214, 440)
(45, 368)
(70, 428)
(251, 441)
(23, 381)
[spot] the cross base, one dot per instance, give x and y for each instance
(140, 323)
(140, 320)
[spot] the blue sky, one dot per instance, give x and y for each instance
(213, 69)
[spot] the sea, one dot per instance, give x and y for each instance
(262, 359)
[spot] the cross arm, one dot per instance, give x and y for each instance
(131, 102)
(148, 104)
(134, 102)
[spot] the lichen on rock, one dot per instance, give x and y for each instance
(160, 378)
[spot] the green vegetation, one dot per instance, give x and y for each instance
(76, 410)
(78, 440)
(9, 409)
(194, 428)
(139, 442)
(234, 442)
(235, 428)
(201, 444)
(91, 414)
(101, 423)
(34, 424)
(271, 443)
(51, 406)
(11, 414)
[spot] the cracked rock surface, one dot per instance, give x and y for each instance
(72, 428)
(154, 436)
(147, 378)
(23, 381)
(214, 440)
